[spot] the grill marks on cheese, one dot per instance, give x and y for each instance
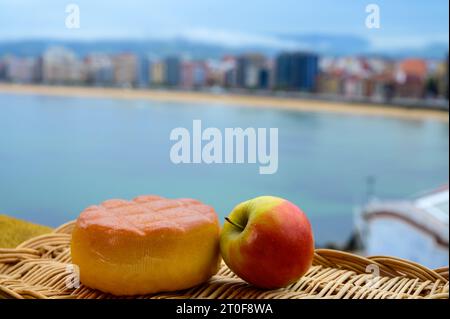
(147, 214)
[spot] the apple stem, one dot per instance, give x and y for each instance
(234, 224)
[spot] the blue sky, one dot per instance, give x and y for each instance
(403, 22)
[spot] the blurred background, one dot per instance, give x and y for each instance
(374, 184)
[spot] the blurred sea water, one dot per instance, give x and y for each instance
(59, 155)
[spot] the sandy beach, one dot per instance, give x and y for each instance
(227, 99)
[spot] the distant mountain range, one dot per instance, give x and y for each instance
(330, 45)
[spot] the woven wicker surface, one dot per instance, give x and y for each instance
(38, 269)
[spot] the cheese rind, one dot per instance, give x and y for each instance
(147, 245)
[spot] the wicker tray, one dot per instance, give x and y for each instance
(38, 269)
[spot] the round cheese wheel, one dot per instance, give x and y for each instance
(147, 245)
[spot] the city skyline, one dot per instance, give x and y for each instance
(404, 24)
(367, 78)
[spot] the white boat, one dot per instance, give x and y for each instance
(416, 229)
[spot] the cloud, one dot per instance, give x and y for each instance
(410, 42)
(237, 39)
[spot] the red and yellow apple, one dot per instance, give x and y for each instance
(268, 242)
